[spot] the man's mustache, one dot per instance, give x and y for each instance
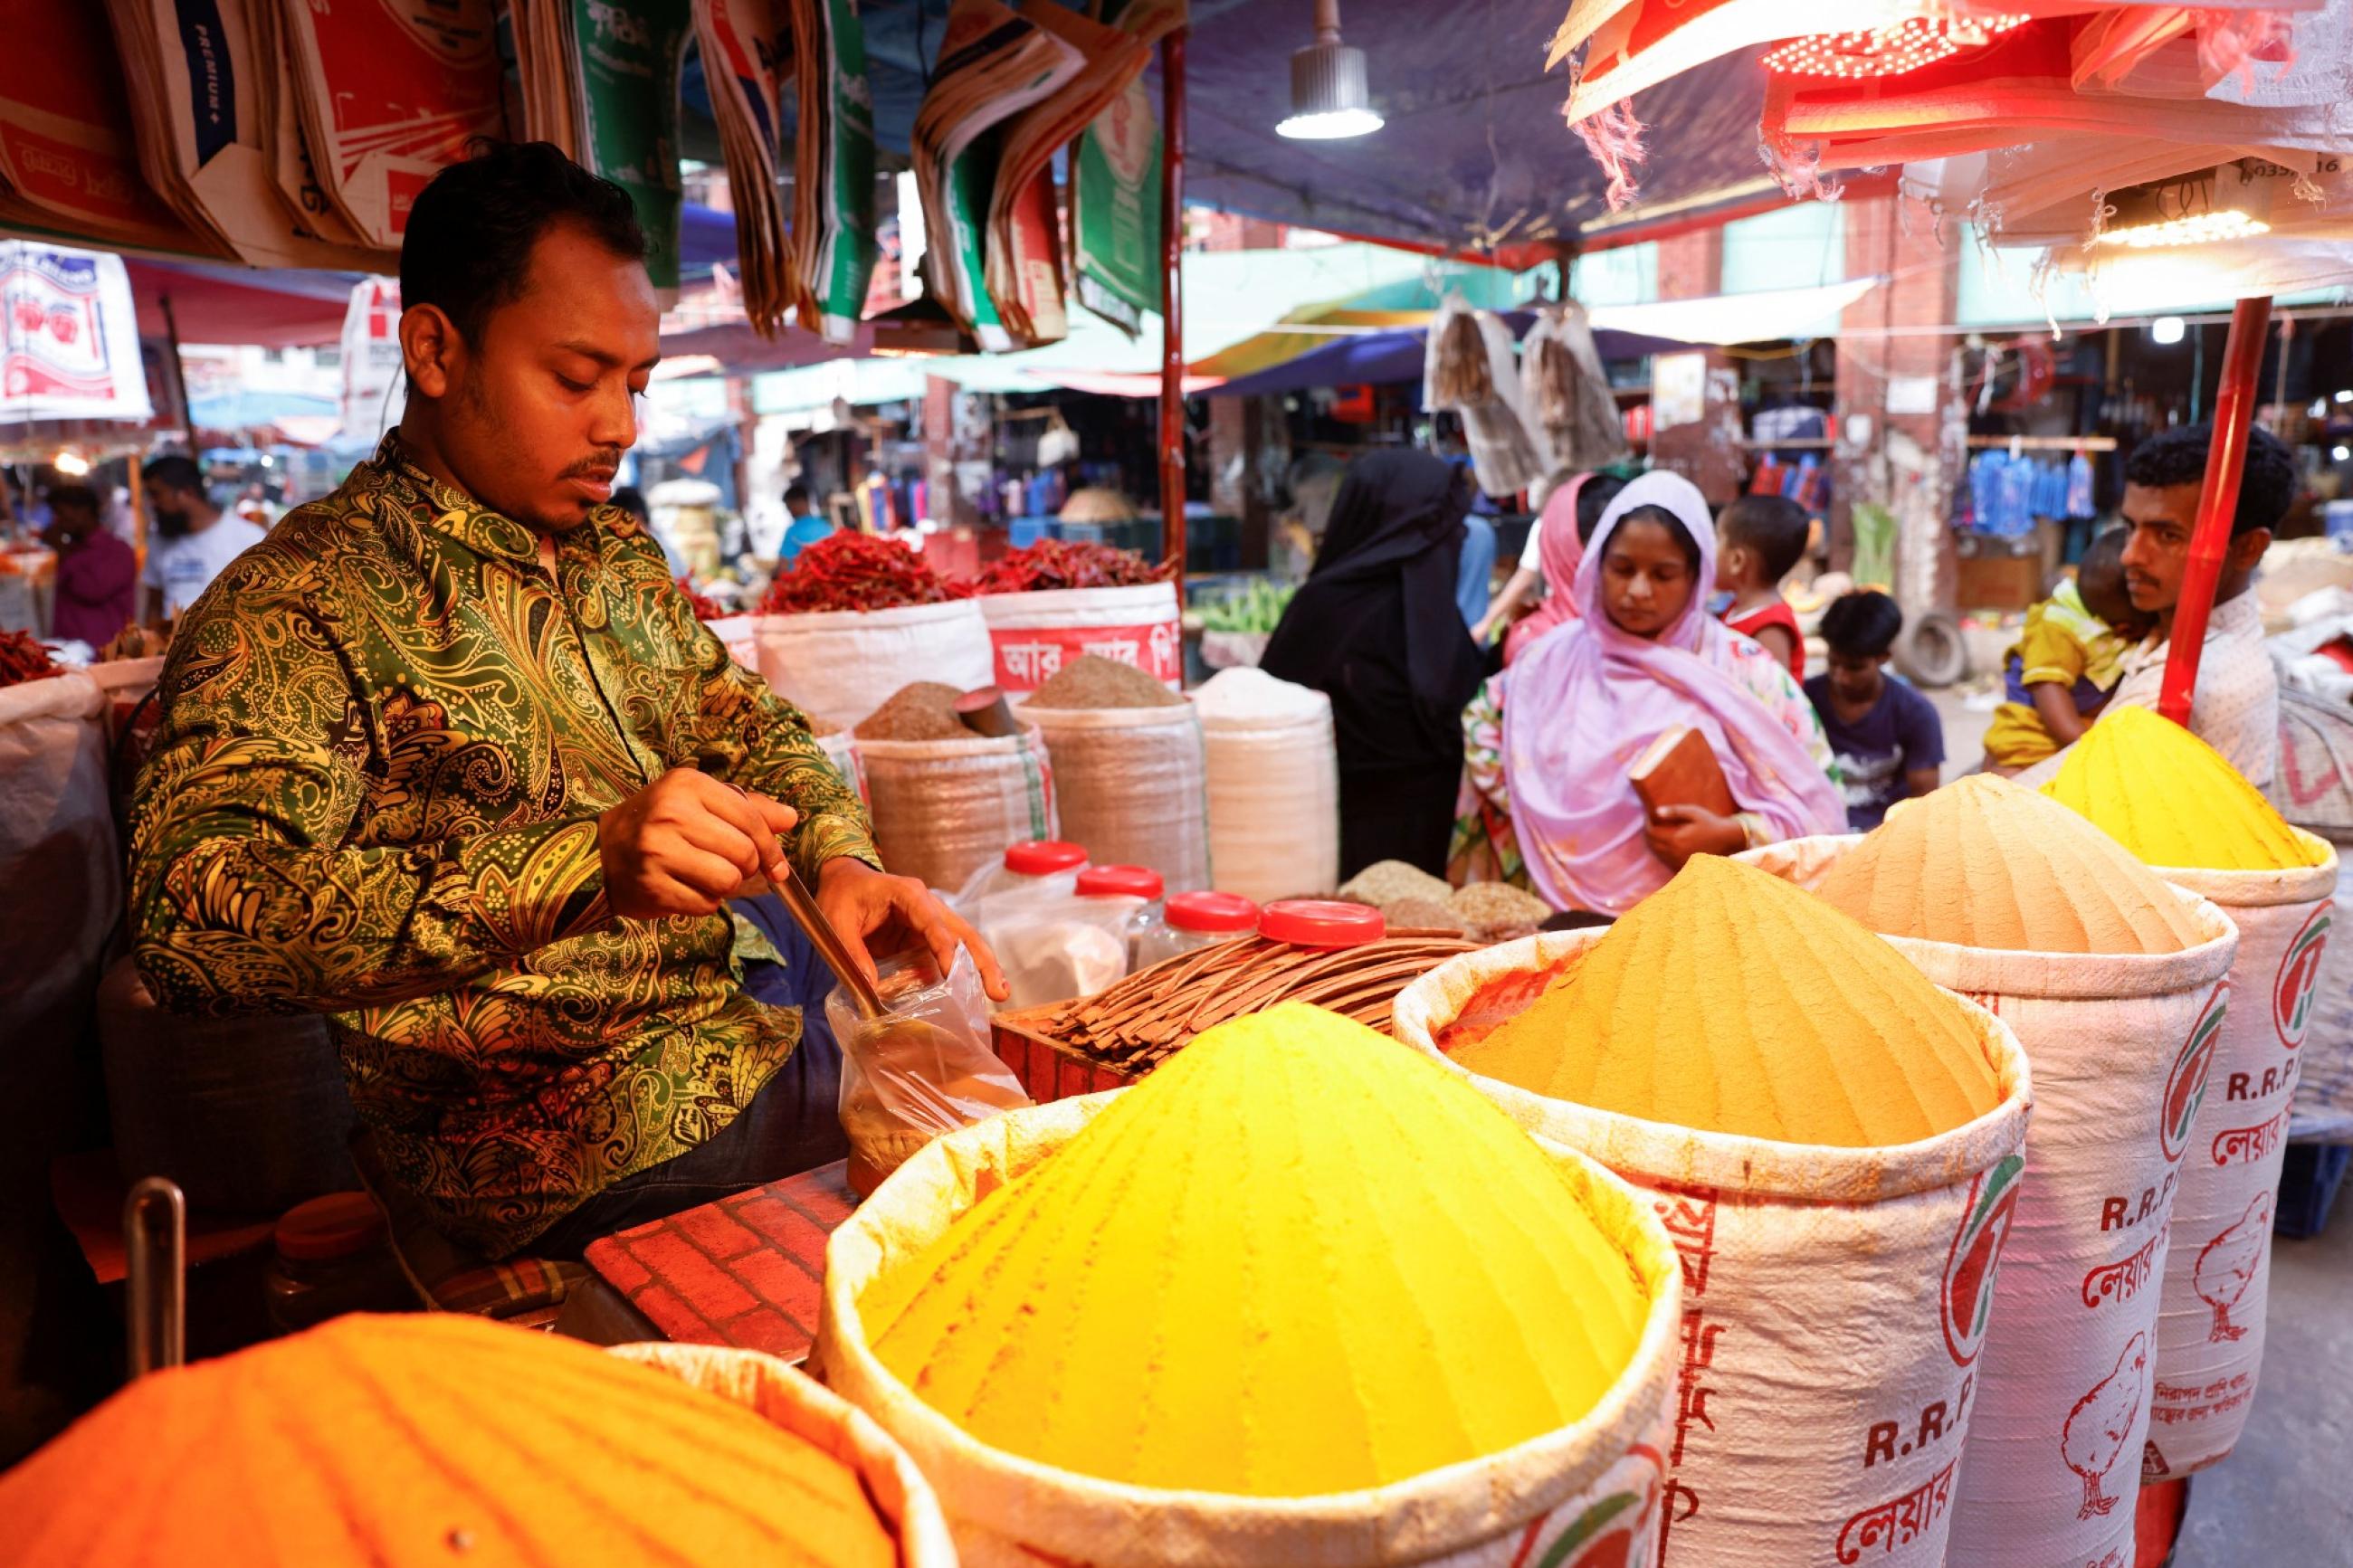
(598, 467)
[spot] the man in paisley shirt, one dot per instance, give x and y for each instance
(448, 758)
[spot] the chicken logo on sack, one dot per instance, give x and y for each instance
(2094, 1438)
(1967, 1295)
(2299, 979)
(2227, 1266)
(2185, 1086)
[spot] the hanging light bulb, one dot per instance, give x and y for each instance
(1329, 97)
(1906, 45)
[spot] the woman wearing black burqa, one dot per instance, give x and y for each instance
(1375, 628)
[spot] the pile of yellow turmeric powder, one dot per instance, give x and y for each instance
(431, 1439)
(1730, 1001)
(1983, 862)
(2173, 800)
(1297, 1260)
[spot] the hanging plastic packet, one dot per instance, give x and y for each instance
(924, 1069)
(1056, 949)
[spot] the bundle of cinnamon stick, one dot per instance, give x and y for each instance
(1150, 1015)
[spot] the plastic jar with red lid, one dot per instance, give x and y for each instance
(1129, 882)
(1197, 921)
(1034, 864)
(334, 1256)
(1321, 922)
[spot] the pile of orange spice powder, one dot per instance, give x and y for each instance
(1298, 1259)
(1983, 862)
(1730, 1001)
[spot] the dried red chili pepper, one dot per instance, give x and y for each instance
(1052, 563)
(23, 657)
(849, 571)
(705, 609)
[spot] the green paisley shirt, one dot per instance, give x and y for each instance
(387, 735)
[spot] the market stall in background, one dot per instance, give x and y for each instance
(1753, 1227)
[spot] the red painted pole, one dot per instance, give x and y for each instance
(1172, 304)
(2217, 502)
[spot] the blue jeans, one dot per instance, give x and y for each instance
(792, 1125)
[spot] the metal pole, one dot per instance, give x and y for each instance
(1172, 304)
(179, 373)
(2217, 502)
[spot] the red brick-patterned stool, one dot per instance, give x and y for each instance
(747, 1271)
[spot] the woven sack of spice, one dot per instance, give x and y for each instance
(2313, 788)
(1034, 634)
(1579, 1497)
(2121, 1045)
(1273, 785)
(942, 809)
(61, 871)
(789, 1399)
(1835, 1298)
(2171, 799)
(1131, 785)
(2210, 1342)
(840, 665)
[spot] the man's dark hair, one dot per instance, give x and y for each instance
(1861, 625)
(180, 473)
(1774, 526)
(82, 497)
(1593, 501)
(467, 246)
(797, 499)
(2267, 486)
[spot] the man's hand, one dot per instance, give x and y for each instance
(683, 845)
(875, 912)
(1676, 833)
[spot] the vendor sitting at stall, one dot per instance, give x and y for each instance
(2235, 707)
(448, 758)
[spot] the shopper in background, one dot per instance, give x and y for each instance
(1763, 539)
(2065, 665)
(1475, 574)
(2235, 707)
(1552, 738)
(1571, 512)
(193, 541)
(1375, 627)
(1889, 742)
(98, 573)
(808, 525)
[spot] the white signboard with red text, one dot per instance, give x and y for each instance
(71, 336)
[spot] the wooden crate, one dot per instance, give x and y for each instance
(1048, 1068)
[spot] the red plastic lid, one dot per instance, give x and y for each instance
(336, 1225)
(1120, 882)
(1228, 912)
(1321, 922)
(1042, 857)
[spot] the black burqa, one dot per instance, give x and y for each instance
(1375, 627)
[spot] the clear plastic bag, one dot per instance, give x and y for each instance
(1054, 949)
(925, 1070)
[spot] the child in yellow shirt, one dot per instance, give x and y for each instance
(2061, 672)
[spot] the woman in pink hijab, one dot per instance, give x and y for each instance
(1582, 700)
(1570, 513)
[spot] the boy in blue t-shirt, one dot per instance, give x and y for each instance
(1889, 741)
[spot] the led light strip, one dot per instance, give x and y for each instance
(1889, 52)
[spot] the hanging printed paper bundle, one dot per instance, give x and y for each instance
(545, 65)
(626, 56)
(283, 139)
(993, 65)
(747, 53)
(1115, 184)
(834, 248)
(390, 93)
(1023, 268)
(196, 69)
(69, 159)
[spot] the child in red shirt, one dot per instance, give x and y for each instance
(1760, 538)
